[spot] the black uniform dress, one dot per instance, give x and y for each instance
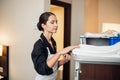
(40, 53)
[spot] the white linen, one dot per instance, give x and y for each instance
(102, 35)
(98, 51)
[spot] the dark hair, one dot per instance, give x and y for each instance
(43, 19)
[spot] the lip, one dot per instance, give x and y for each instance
(55, 28)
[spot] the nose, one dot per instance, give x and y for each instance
(56, 24)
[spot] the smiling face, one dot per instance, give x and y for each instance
(51, 25)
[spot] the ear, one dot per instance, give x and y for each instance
(43, 26)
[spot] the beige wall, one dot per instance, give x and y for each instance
(109, 12)
(91, 16)
(18, 20)
(98, 12)
(77, 27)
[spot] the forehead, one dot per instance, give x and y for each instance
(52, 17)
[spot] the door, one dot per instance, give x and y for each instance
(66, 33)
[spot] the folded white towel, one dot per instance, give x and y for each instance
(103, 35)
(92, 50)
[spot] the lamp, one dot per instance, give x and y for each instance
(1, 50)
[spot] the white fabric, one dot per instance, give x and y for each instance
(105, 51)
(102, 35)
(53, 76)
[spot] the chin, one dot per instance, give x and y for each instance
(55, 31)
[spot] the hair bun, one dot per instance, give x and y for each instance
(39, 27)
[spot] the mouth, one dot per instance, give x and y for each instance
(55, 28)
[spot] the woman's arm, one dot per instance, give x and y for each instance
(51, 62)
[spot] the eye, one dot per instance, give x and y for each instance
(56, 21)
(53, 22)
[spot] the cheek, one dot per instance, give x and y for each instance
(50, 29)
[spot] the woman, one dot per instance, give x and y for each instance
(44, 55)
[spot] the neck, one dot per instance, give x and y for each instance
(48, 36)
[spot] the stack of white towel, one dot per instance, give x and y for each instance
(98, 51)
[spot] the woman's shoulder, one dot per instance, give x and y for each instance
(38, 43)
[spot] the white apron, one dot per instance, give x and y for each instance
(53, 76)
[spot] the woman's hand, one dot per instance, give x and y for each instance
(64, 59)
(68, 49)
